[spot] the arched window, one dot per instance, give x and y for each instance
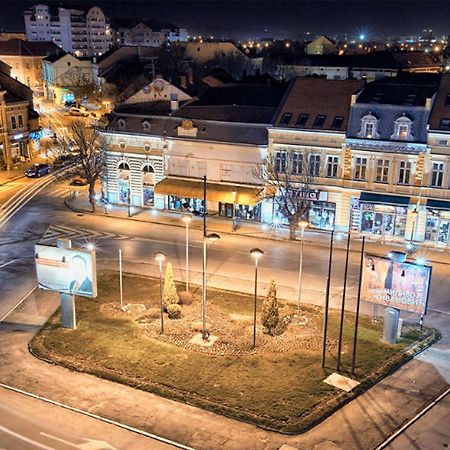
(123, 181)
(402, 129)
(369, 127)
(148, 184)
(121, 124)
(146, 125)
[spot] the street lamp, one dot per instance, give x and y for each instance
(302, 224)
(187, 220)
(256, 254)
(212, 237)
(160, 258)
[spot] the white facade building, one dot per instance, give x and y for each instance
(84, 33)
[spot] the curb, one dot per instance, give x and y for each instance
(11, 180)
(317, 242)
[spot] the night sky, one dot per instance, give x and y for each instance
(277, 18)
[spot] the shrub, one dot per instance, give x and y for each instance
(174, 311)
(269, 314)
(186, 298)
(170, 296)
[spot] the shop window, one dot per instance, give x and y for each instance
(285, 119)
(437, 174)
(360, 168)
(332, 166)
(321, 215)
(280, 162)
(382, 220)
(148, 184)
(319, 121)
(297, 163)
(369, 125)
(382, 171)
(437, 226)
(123, 181)
(337, 123)
(301, 120)
(241, 212)
(404, 172)
(314, 165)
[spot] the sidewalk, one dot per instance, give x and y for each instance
(79, 203)
(17, 171)
(361, 424)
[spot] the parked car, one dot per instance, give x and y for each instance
(79, 182)
(77, 112)
(38, 170)
(70, 103)
(63, 160)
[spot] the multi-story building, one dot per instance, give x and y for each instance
(19, 123)
(146, 33)
(63, 71)
(84, 33)
(160, 151)
(25, 59)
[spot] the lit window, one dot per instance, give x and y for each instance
(360, 168)
(404, 172)
(332, 166)
(437, 174)
(382, 170)
(369, 127)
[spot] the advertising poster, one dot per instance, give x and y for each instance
(401, 285)
(71, 271)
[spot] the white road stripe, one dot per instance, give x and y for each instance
(25, 439)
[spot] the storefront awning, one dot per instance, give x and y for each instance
(215, 192)
(438, 204)
(370, 197)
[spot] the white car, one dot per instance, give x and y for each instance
(77, 112)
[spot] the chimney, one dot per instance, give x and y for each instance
(174, 105)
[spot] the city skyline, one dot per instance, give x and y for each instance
(281, 19)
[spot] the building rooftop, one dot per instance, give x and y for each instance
(440, 113)
(17, 47)
(317, 103)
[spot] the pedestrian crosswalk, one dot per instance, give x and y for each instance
(55, 232)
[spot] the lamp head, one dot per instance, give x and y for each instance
(256, 253)
(160, 257)
(213, 237)
(187, 219)
(303, 224)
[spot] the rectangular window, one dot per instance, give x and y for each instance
(314, 165)
(404, 172)
(337, 123)
(13, 122)
(20, 120)
(285, 119)
(403, 132)
(369, 130)
(360, 168)
(382, 170)
(447, 100)
(444, 124)
(301, 120)
(280, 162)
(332, 166)
(319, 121)
(297, 162)
(442, 142)
(437, 174)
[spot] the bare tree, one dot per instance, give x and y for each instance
(83, 154)
(289, 178)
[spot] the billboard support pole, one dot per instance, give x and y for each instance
(341, 325)
(358, 304)
(327, 302)
(68, 314)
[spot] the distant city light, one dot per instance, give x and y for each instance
(362, 37)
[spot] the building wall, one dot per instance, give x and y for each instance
(26, 69)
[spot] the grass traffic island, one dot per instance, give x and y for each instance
(278, 386)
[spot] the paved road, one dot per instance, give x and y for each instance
(30, 424)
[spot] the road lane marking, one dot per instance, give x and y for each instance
(410, 422)
(25, 439)
(18, 304)
(101, 418)
(89, 444)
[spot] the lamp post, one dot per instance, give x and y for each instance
(327, 301)
(160, 258)
(256, 254)
(187, 220)
(120, 279)
(212, 237)
(302, 224)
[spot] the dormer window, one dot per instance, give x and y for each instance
(369, 127)
(121, 124)
(146, 125)
(402, 129)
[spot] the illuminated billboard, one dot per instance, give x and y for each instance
(401, 285)
(67, 270)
